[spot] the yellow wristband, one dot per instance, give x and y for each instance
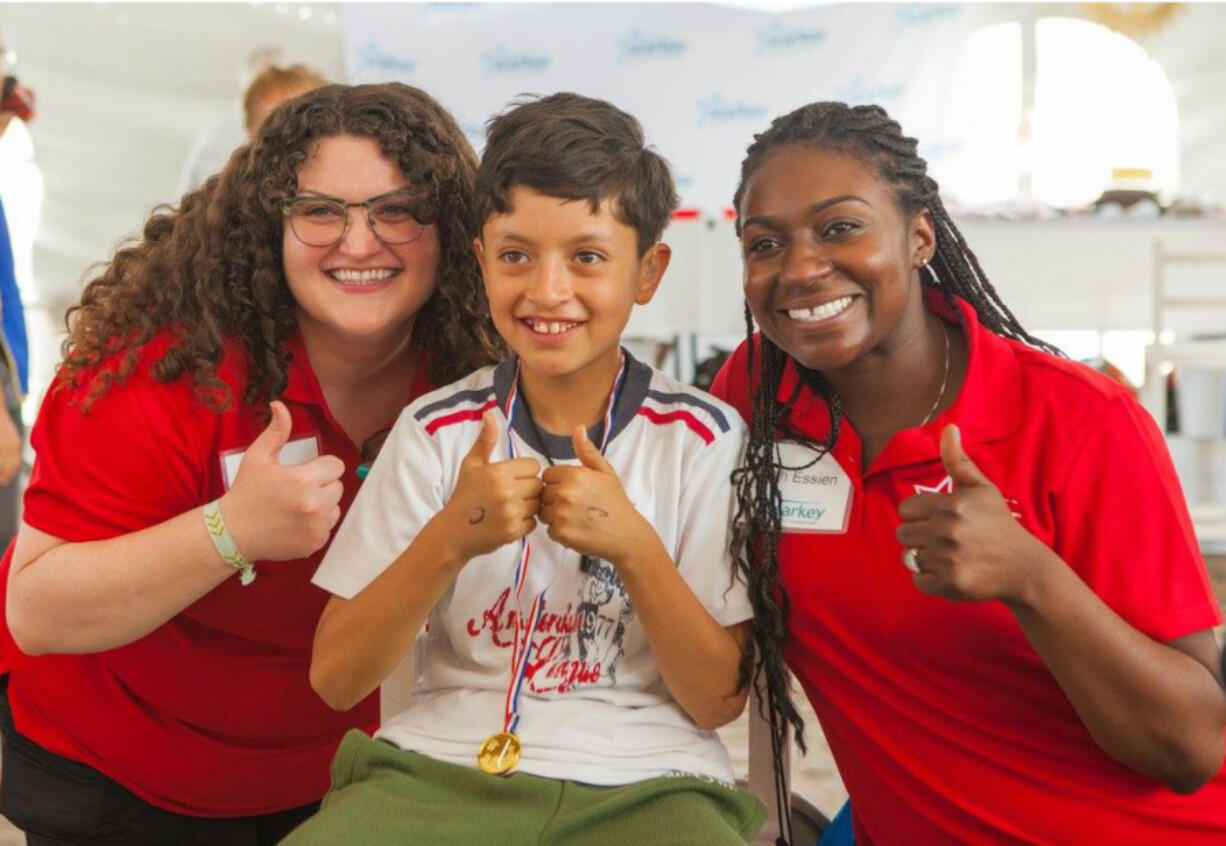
(223, 541)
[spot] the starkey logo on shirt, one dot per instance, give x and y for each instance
(802, 513)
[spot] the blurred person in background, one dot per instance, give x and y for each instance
(272, 87)
(21, 197)
(265, 83)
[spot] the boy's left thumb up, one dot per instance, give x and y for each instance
(962, 471)
(588, 454)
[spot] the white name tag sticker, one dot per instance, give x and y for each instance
(817, 498)
(298, 451)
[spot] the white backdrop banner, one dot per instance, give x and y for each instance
(701, 78)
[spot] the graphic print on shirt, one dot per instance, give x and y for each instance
(580, 645)
(601, 635)
(945, 486)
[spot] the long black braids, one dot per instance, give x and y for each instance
(868, 134)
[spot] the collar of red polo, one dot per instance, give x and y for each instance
(302, 386)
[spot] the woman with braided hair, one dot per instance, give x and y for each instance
(973, 553)
(224, 379)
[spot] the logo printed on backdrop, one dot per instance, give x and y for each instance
(907, 16)
(371, 57)
(777, 37)
(639, 45)
(499, 59)
(717, 109)
(857, 91)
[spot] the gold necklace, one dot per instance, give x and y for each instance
(944, 378)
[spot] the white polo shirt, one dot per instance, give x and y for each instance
(594, 708)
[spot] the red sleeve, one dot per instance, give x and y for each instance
(133, 460)
(1124, 527)
(731, 383)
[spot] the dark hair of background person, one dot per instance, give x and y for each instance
(577, 148)
(869, 135)
(212, 268)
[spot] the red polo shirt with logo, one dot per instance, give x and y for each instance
(212, 713)
(945, 724)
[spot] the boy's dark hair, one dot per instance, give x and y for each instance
(576, 148)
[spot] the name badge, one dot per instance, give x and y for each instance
(816, 499)
(298, 451)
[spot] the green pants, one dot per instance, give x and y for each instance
(381, 794)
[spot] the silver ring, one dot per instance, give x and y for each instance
(910, 560)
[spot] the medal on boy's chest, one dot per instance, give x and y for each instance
(501, 752)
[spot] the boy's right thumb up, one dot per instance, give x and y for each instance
(270, 441)
(484, 445)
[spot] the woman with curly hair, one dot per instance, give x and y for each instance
(225, 378)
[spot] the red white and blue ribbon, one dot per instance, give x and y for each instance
(521, 648)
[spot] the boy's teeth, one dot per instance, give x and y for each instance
(821, 312)
(551, 327)
(362, 276)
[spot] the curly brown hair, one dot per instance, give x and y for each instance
(211, 270)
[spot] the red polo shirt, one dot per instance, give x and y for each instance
(945, 724)
(211, 714)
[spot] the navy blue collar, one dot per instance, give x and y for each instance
(559, 447)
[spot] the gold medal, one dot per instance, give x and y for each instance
(499, 754)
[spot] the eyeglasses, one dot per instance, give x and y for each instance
(323, 221)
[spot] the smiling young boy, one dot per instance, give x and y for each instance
(560, 525)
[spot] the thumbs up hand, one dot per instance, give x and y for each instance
(587, 510)
(494, 502)
(966, 544)
(279, 513)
